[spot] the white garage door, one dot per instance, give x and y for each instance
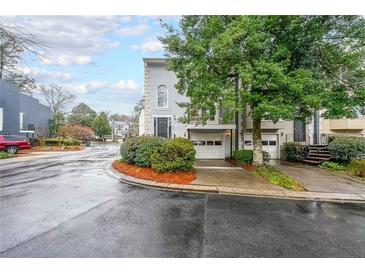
(269, 144)
(208, 145)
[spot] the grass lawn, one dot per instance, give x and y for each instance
(5, 155)
(275, 177)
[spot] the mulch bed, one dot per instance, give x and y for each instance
(24, 152)
(248, 167)
(182, 178)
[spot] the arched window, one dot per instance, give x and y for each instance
(162, 96)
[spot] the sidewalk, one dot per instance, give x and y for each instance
(243, 190)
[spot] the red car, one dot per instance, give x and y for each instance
(13, 143)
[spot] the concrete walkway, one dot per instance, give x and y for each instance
(321, 180)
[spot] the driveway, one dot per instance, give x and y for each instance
(68, 206)
(223, 173)
(321, 180)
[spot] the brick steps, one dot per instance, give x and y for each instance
(317, 154)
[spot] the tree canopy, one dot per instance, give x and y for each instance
(287, 66)
(82, 114)
(101, 125)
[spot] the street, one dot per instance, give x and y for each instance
(68, 205)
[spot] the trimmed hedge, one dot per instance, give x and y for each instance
(62, 142)
(357, 168)
(245, 156)
(128, 149)
(294, 151)
(145, 150)
(159, 153)
(174, 155)
(346, 148)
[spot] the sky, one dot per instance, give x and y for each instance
(97, 58)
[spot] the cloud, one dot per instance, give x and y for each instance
(149, 46)
(92, 86)
(43, 74)
(65, 60)
(69, 39)
(133, 30)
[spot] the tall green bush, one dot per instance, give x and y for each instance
(129, 147)
(346, 148)
(294, 151)
(145, 150)
(174, 155)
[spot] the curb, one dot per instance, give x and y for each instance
(232, 191)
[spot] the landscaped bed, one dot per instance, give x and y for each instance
(158, 159)
(149, 174)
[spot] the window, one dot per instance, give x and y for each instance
(248, 143)
(218, 143)
(162, 97)
(14, 138)
(264, 143)
(21, 120)
(210, 143)
(272, 143)
(162, 126)
(1, 119)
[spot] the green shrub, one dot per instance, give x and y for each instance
(52, 142)
(174, 155)
(294, 151)
(346, 148)
(5, 155)
(245, 156)
(146, 149)
(333, 166)
(129, 147)
(357, 168)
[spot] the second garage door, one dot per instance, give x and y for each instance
(269, 144)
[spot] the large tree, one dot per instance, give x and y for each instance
(286, 66)
(101, 125)
(82, 114)
(56, 97)
(13, 45)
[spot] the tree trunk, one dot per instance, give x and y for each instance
(257, 145)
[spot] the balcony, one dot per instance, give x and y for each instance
(347, 124)
(266, 124)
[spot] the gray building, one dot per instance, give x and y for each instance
(21, 113)
(217, 139)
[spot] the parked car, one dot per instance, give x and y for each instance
(13, 143)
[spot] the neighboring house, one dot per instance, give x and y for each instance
(120, 129)
(216, 139)
(21, 113)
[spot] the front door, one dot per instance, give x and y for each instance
(162, 126)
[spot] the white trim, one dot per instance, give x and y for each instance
(162, 115)
(167, 97)
(26, 131)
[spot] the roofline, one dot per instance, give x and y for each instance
(155, 60)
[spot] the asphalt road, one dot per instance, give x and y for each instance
(68, 206)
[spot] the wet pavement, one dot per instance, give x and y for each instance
(68, 206)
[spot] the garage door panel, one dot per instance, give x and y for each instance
(269, 144)
(208, 146)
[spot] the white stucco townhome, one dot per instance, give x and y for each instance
(215, 140)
